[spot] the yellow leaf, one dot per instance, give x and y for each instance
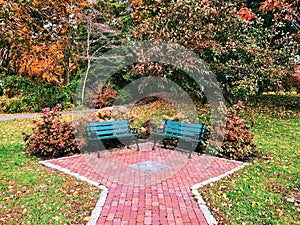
(87, 218)
(56, 218)
(255, 203)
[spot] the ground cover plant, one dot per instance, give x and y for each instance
(33, 194)
(267, 190)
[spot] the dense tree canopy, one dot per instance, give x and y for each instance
(37, 37)
(247, 56)
(249, 45)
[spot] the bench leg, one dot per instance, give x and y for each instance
(190, 154)
(153, 147)
(137, 144)
(94, 147)
(192, 149)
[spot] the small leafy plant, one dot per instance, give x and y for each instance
(101, 97)
(238, 141)
(52, 137)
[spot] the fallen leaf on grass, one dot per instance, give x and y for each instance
(86, 218)
(253, 204)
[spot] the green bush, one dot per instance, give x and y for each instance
(15, 85)
(23, 95)
(11, 105)
(52, 137)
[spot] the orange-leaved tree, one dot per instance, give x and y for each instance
(38, 37)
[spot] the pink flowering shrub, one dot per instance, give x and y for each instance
(51, 137)
(238, 141)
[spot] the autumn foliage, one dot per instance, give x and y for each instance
(52, 137)
(43, 62)
(101, 96)
(246, 14)
(293, 81)
(247, 58)
(238, 140)
(282, 5)
(38, 37)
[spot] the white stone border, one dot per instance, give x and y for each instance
(102, 197)
(201, 203)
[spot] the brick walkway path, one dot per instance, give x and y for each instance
(160, 196)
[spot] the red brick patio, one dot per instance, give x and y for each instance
(138, 197)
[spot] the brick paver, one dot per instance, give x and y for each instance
(136, 197)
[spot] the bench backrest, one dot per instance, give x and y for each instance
(187, 131)
(102, 130)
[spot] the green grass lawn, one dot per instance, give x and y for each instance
(263, 192)
(33, 194)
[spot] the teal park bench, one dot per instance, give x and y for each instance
(181, 131)
(98, 131)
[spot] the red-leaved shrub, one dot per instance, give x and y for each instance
(293, 81)
(51, 137)
(101, 97)
(238, 141)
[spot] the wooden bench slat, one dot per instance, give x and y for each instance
(112, 137)
(110, 132)
(184, 128)
(177, 137)
(100, 128)
(97, 131)
(181, 132)
(109, 123)
(170, 122)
